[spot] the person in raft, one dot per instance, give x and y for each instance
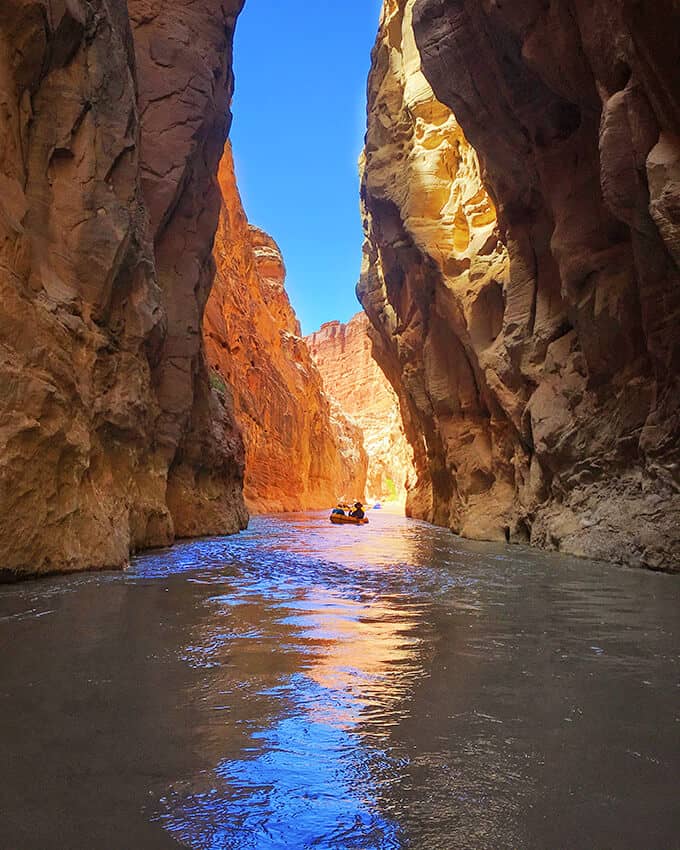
(338, 511)
(358, 512)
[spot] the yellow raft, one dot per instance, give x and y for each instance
(338, 519)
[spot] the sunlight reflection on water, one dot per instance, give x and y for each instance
(309, 686)
(323, 637)
(340, 649)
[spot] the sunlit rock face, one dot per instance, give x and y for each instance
(113, 124)
(432, 285)
(342, 354)
(536, 354)
(301, 452)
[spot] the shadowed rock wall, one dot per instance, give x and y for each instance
(536, 355)
(302, 452)
(342, 354)
(110, 440)
(184, 61)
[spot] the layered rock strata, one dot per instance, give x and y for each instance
(301, 451)
(114, 122)
(342, 354)
(526, 308)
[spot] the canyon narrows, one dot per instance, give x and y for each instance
(525, 305)
(520, 195)
(468, 667)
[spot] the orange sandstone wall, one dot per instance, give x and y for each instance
(342, 353)
(301, 452)
(114, 118)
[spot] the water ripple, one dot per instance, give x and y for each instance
(307, 686)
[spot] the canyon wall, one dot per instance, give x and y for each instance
(301, 450)
(342, 354)
(114, 119)
(525, 304)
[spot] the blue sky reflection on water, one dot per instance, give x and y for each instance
(307, 781)
(311, 664)
(377, 688)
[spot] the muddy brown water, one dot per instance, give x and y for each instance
(312, 686)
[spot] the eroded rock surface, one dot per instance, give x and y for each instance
(301, 451)
(342, 354)
(113, 125)
(432, 285)
(532, 332)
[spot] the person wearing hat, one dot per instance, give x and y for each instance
(358, 512)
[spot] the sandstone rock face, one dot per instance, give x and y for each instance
(531, 333)
(185, 85)
(109, 438)
(432, 283)
(342, 354)
(301, 452)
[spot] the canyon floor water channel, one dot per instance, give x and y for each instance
(310, 686)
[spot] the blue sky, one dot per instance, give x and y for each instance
(299, 122)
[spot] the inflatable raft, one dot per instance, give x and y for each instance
(337, 519)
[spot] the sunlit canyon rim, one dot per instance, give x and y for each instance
(279, 681)
(521, 197)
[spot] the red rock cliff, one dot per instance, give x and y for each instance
(536, 354)
(301, 452)
(114, 122)
(342, 353)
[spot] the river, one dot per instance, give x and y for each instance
(304, 685)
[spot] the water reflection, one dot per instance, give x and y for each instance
(318, 668)
(307, 686)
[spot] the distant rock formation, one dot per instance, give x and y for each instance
(113, 125)
(535, 350)
(301, 452)
(342, 354)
